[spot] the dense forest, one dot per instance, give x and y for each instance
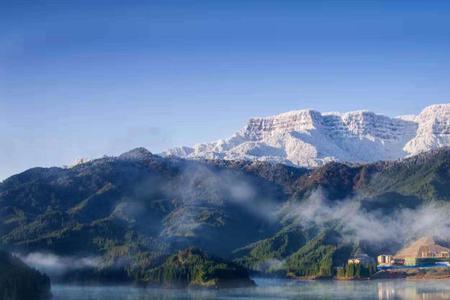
(20, 282)
(135, 212)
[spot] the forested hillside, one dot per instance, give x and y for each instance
(134, 211)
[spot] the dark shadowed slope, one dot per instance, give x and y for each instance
(133, 211)
(20, 282)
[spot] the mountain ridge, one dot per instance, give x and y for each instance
(309, 138)
(132, 211)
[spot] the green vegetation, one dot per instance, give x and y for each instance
(423, 177)
(20, 282)
(267, 256)
(193, 268)
(320, 257)
(315, 259)
(136, 210)
(356, 271)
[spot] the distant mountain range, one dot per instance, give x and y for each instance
(241, 205)
(126, 216)
(309, 138)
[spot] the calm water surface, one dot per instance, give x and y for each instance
(273, 289)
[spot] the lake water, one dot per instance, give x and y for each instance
(273, 289)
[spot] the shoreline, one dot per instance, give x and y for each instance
(420, 274)
(410, 274)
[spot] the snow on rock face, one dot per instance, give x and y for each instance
(310, 138)
(433, 131)
(136, 154)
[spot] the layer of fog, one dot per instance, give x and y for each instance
(194, 192)
(55, 265)
(355, 223)
(202, 188)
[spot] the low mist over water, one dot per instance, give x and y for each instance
(274, 289)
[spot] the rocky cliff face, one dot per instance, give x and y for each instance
(310, 138)
(433, 129)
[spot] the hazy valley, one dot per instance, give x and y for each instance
(142, 218)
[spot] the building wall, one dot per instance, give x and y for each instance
(412, 261)
(384, 259)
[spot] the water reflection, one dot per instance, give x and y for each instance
(274, 289)
(414, 290)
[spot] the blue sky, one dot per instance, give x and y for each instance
(87, 78)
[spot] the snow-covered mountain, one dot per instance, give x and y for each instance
(310, 138)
